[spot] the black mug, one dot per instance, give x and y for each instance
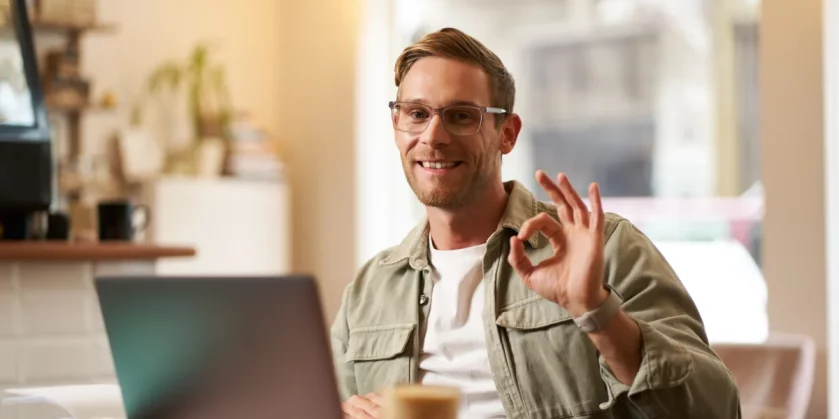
(58, 226)
(15, 226)
(117, 220)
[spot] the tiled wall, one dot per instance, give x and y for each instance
(51, 330)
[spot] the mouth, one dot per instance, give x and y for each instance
(438, 165)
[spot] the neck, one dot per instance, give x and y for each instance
(470, 225)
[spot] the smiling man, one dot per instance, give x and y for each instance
(533, 310)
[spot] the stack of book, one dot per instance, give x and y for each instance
(254, 154)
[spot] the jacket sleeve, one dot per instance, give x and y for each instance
(680, 376)
(339, 337)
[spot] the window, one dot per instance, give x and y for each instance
(655, 100)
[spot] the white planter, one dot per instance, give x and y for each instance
(209, 158)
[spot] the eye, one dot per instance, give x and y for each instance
(462, 116)
(418, 113)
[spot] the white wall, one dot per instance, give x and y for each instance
(317, 124)
(792, 130)
(831, 48)
(148, 33)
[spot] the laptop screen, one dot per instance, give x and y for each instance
(219, 347)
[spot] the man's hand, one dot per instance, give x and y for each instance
(573, 276)
(363, 407)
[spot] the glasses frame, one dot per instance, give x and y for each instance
(435, 111)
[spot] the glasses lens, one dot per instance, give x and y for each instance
(411, 117)
(462, 120)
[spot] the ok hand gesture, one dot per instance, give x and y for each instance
(573, 276)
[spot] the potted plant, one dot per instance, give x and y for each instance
(204, 84)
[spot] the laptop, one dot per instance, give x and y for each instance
(219, 347)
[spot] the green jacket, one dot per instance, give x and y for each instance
(543, 365)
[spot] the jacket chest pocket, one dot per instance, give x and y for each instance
(380, 356)
(555, 363)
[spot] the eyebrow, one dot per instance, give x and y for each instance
(452, 103)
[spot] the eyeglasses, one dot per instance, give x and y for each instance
(414, 118)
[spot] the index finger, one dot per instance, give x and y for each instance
(545, 224)
(563, 208)
(354, 412)
(597, 216)
(375, 398)
(363, 406)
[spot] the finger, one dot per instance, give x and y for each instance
(518, 259)
(374, 410)
(376, 399)
(348, 408)
(353, 412)
(362, 408)
(573, 198)
(358, 413)
(597, 217)
(542, 223)
(563, 210)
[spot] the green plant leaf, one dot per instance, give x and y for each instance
(167, 76)
(221, 88)
(203, 81)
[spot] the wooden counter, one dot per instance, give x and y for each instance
(47, 250)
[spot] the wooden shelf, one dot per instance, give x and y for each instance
(42, 25)
(73, 32)
(79, 109)
(58, 250)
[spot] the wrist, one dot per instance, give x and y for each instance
(591, 303)
(596, 318)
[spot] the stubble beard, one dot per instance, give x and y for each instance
(440, 195)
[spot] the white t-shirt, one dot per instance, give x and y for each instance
(454, 352)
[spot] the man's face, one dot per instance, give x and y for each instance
(445, 170)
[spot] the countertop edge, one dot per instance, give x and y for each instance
(68, 251)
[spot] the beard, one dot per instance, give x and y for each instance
(444, 194)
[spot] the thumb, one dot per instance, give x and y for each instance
(518, 259)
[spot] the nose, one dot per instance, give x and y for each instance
(435, 134)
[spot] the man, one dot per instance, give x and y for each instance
(533, 310)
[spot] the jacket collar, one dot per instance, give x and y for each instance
(521, 206)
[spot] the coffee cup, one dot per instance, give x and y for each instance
(121, 220)
(421, 402)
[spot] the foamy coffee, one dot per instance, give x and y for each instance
(421, 402)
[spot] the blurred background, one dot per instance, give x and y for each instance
(258, 132)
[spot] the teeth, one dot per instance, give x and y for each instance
(437, 165)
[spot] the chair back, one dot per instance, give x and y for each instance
(775, 378)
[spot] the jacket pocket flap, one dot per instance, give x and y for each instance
(532, 313)
(378, 342)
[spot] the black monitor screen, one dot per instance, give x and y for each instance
(15, 95)
(26, 175)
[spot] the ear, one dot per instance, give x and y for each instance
(509, 133)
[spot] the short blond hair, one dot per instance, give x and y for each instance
(455, 44)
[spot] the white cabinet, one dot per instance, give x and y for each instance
(238, 227)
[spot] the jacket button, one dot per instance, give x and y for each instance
(423, 300)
